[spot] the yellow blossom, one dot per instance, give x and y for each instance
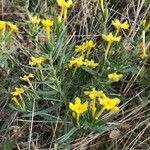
(93, 94)
(27, 77)
(114, 77)
(78, 107)
(111, 38)
(110, 103)
(17, 92)
(12, 26)
(36, 60)
(80, 48)
(64, 6)
(64, 3)
(89, 44)
(47, 23)
(90, 63)
(76, 62)
(2, 25)
(34, 19)
(118, 25)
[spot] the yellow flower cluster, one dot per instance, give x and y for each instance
(17, 93)
(27, 77)
(114, 77)
(2, 25)
(106, 102)
(81, 60)
(64, 4)
(110, 38)
(118, 25)
(77, 62)
(10, 25)
(36, 61)
(78, 107)
(85, 47)
(35, 21)
(46, 23)
(99, 96)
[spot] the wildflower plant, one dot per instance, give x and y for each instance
(74, 83)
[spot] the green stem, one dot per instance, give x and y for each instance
(88, 53)
(93, 107)
(78, 124)
(117, 31)
(107, 49)
(100, 113)
(144, 47)
(65, 13)
(74, 72)
(48, 34)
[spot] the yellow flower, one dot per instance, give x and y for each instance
(93, 94)
(114, 77)
(12, 26)
(47, 23)
(27, 77)
(89, 44)
(17, 92)
(110, 103)
(2, 25)
(64, 3)
(76, 62)
(80, 48)
(34, 19)
(78, 107)
(90, 63)
(111, 38)
(118, 25)
(64, 6)
(36, 60)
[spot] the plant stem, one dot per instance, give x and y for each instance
(100, 113)
(107, 50)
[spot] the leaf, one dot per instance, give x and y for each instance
(67, 135)
(43, 112)
(89, 70)
(103, 128)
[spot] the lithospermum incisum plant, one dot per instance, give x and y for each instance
(74, 73)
